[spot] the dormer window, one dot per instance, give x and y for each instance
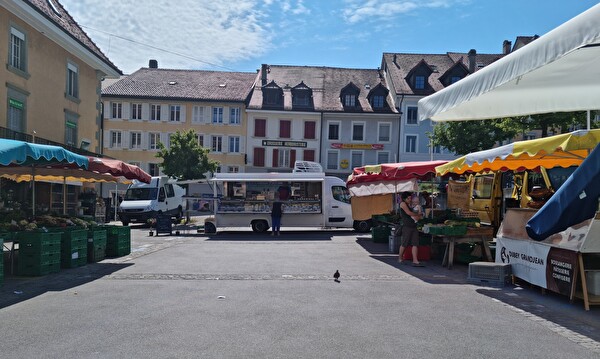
(301, 96)
(349, 100)
(454, 79)
(377, 98)
(378, 101)
(272, 95)
(419, 82)
(349, 96)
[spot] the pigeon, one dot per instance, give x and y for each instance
(336, 275)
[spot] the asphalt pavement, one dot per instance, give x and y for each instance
(238, 294)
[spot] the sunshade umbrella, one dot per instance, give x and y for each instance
(565, 150)
(118, 168)
(13, 152)
(575, 201)
(558, 72)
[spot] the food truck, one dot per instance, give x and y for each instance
(310, 199)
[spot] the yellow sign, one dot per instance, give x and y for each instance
(344, 164)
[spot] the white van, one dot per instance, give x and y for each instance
(144, 201)
(309, 200)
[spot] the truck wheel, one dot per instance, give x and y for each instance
(260, 226)
(362, 226)
(209, 228)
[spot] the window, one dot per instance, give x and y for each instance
(340, 193)
(285, 128)
(175, 113)
(378, 101)
(333, 131)
(16, 115)
(154, 112)
(357, 159)
(300, 98)
(234, 116)
(233, 169)
(411, 144)
(217, 144)
(358, 131)
(72, 80)
(384, 132)
(198, 114)
(349, 100)
(71, 120)
(135, 140)
(411, 115)
(260, 127)
(136, 111)
(116, 110)
(482, 186)
(153, 140)
(153, 169)
(309, 155)
(310, 130)
(284, 157)
(217, 116)
(115, 139)
(332, 160)
(454, 79)
(437, 149)
(420, 82)
(17, 51)
(383, 157)
(259, 157)
(200, 139)
(234, 144)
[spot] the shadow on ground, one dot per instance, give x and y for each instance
(289, 235)
(18, 289)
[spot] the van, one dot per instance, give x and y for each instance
(144, 201)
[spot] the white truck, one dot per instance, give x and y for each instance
(144, 201)
(310, 199)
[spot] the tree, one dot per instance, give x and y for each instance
(463, 137)
(185, 159)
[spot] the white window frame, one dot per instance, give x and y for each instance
(72, 88)
(151, 166)
(350, 100)
(363, 123)
(380, 160)
(136, 111)
(233, 169)
(234, 144)
(406, 143)
(234, 116)
(339, 129)
(153, 140)
(17, 51)
(360, 163)
(174, 113)
(335, 165)
(200, 139)
(154, 112)
(135, 140)
(198, 114)
(216, 143)
(116, 139)
(217, 115)
(116, 110)
(379, 132)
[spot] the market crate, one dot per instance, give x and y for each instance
(31, 269)
(96, 245)
(74, 248)
(380, 234)
(38, 243)
(488, 273)
(117, 249)
(118, 231)
(2, 262)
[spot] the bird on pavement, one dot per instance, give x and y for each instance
(336, 275)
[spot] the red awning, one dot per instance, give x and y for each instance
(118, 168)
(394, 171)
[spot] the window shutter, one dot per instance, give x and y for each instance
(225, 144)
(259, 157)
(126, 114)
(275, 157)
(124, 139)
(106, 139)
(309, 130)
(145, 111)
(182, 117)
(226, 115)
(292, 158)
(144, 143)
(164, 112)
(309, 155)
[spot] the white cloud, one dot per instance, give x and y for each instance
(297, 9)
(203, 31)
(376, 10)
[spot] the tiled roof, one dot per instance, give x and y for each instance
(184, 85)
(59, 16)
(326, 84)
(399, 65)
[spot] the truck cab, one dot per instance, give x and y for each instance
(145, 201)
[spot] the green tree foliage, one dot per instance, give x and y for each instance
(185, 159)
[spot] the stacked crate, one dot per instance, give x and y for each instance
(96, 244)
(2, 260)
(118, 241)
(380, 234)
(74, 248)
(39, 253)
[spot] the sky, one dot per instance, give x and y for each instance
(240, 35)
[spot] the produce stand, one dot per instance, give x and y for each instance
(481, 235)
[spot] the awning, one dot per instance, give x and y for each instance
(569, 149)
(13, 152)
(118, 168)
(558, 72)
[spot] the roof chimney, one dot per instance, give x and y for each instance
(153, 64)
(263, 74)
(472, 60)
(506, 47)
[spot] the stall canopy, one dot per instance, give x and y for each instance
(575, 201)
(565, 150)
(13, 152)
(118, 168)
(558, 72)
(389, 177)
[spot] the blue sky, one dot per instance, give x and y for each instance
(240, 35)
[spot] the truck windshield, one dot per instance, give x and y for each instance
(340, 193)
(559, 175)
(135, 194)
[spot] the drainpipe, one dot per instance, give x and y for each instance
(400, 128)
(321, 142)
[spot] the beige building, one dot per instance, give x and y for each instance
(150, 105)
(51, 76)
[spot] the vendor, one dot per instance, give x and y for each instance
(410, 234)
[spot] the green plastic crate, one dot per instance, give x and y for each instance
(74, 248)
(114, 249)
(381, 234)
(118, 231)
(33, 269)
(39, 242)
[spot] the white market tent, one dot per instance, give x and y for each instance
(558, 72)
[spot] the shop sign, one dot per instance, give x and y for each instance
(284, 143)
(16, 104)
(344, 164)
(548, 267)
(357, 146)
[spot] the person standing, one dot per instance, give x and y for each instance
(276, 213)
(410, 234)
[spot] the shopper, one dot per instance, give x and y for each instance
(276, 213)
(410, 234)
